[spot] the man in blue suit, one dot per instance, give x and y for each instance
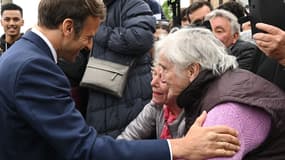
(38, 119)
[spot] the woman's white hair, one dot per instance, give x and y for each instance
(235, 26)
(195, 45)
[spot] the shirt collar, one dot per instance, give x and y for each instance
(36, 31)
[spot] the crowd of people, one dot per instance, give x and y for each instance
(201, 90)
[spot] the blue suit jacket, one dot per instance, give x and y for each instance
(38, 119)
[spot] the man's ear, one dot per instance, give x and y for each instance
(236, 37)
(193, 71)
(23, 22)
(67, 27)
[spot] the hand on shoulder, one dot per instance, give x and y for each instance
(206, 142)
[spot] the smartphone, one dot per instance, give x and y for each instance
(267, 11)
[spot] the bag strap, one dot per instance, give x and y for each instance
(132, 62)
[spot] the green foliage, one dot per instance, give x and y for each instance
(167, 10)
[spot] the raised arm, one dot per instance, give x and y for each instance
(272, 42)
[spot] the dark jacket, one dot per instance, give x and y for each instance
(127, 33)
(4, 45)
(245, 52)
(38, 119)
(74, 72)
(241, 86)
(270, 69)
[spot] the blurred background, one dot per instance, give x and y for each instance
(30, 8)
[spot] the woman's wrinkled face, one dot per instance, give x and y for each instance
(159, 87)
(176, 82)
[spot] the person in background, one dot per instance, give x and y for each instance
(235, 8)
(246, 33)
(156, 9)
(11, 21)
(247, 27)
(200, 73)
(124, 36)
(227, 29)
(264, 66)
(184, 17)
(197, 11)
(241, 13)
(38, 118)
(162, 29)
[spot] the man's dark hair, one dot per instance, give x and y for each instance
(235, 8)
(197, 5)
(11, 6)
(184, 14)
(51, 13)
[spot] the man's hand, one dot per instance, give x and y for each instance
(205, 142)
(272, 43)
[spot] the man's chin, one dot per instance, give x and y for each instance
(12, 32)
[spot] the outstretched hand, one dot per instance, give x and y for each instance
(272, 42)
(206, 142)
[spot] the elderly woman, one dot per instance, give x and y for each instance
(200, 73)
(161, 116)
